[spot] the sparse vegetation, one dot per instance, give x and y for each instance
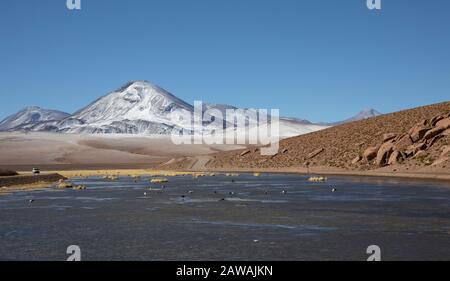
(317, 179)
(63, 185)
(159, 180)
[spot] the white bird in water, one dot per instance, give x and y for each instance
(145, 194)
(284, 192)
(334, 190)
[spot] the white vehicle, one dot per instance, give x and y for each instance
(36, 171)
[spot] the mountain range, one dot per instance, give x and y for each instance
(140, 107)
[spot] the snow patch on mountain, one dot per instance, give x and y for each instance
(30, 117)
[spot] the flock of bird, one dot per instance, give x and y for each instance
(231, 193)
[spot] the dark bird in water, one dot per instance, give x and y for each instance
(233, 181)
(215, 191)
(31, 201)
(231, 193)
(223, 199)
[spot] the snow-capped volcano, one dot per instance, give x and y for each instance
(31, 116)
(137, 107)
(138, 100)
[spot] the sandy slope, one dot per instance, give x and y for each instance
(19, 150)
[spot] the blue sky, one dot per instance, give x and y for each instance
(323, 60)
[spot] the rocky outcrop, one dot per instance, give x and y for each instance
(433, 132)
(384, 153)
(395, 157)
(245, 152)
(418, 132)
(446, 132)
(436, 119)
(420, 154)
(444, 123)
(370, 153)
(415, 148)
(414, 144)
(388, 137)
(315, 153)
(403, 142)
(356, 160)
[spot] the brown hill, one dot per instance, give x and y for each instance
(408, 140)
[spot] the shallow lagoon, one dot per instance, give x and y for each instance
(248, 219)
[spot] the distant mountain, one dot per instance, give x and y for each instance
(364, 114)
(297, 120)
(138, 107)
(289, 127)
(31, 116)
